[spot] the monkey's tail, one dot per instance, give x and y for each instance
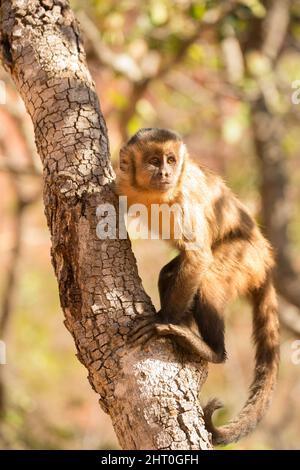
(266, 338)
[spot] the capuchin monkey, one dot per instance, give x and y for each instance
(222, 255)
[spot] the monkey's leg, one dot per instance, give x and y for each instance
(211, 325)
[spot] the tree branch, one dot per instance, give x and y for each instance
(151, 395)
(123, 63)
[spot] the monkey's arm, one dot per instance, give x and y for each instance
(179, 292)
(199, 330)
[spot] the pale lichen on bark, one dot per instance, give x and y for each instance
(152, 394)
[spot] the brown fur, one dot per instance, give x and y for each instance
(233, 259)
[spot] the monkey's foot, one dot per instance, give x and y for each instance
(189, 341)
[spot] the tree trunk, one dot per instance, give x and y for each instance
(151, 395)
(276, 205)
(268, 131)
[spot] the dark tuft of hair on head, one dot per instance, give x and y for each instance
(153, 134)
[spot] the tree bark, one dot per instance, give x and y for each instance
(152, 394)
(274, 189)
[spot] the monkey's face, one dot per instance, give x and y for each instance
(158, 166)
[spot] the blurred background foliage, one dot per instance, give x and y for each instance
(222, 74)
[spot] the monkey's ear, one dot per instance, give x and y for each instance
(124, 161)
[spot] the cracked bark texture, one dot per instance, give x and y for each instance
(152, 394)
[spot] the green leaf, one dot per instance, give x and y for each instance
(197, 10)
(119, 100)
(255, 6)
(134, 125)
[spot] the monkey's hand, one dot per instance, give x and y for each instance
(149, 326)
(144, 330)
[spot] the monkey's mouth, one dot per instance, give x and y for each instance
(162, 185)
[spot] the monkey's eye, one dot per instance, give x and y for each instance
(171, 159)
(154, 161)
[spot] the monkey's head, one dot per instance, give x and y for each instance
(153, 159)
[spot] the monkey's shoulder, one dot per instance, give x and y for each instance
(201, 184)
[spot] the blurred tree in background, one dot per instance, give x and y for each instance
(223, 74)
